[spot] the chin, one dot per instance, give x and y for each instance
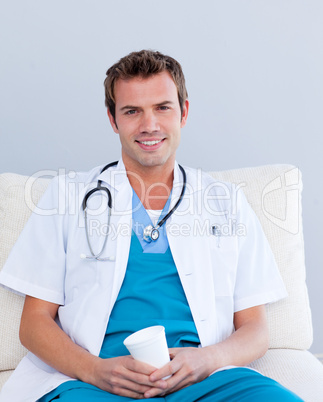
(151, 162)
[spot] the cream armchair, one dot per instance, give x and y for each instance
(288, 359)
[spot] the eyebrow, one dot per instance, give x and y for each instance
(164, 103)
(128, 107)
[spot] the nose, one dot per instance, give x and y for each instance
(149, 123)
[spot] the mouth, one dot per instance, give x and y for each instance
(150, 143)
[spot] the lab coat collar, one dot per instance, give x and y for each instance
(115, 179)
(116, 176)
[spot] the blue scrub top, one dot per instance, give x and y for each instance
(151, 294)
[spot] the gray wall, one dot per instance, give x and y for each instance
(254, 75)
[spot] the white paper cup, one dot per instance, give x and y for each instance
(149, 345)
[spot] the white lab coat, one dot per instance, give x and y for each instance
(222, 270)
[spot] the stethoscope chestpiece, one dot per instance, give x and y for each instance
(150, 234)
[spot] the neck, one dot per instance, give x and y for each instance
(152, 184)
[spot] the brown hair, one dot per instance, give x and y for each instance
(143, 64)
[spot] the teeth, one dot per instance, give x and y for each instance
(150, 142)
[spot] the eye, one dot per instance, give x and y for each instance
(130, 112)
(163, 107)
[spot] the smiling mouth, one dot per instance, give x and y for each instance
(150, 143)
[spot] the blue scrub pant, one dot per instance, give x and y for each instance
(239, 384)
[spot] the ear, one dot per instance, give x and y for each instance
(113, 123)
(185, 113)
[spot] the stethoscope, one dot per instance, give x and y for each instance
(151, 233)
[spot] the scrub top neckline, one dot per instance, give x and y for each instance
(141, 219)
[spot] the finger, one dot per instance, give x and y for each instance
(173, 352)
(127, 393)
(153, 392)
(139, 372)
(168, 370)
(174, 384)
(179, 378)
(123, 387)
(145, 380)
(139, 367)
(126, 385)
(128, 388)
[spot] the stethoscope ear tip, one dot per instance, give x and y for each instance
(83, 256)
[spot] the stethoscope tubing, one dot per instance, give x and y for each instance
(170, 213)
(99, 187)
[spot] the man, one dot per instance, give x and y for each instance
(207, 289)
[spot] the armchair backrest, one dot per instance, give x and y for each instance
(274, 192)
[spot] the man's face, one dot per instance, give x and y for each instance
(148, 120)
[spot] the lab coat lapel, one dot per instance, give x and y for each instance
(191, 253)
(121, 222)
(119, 239)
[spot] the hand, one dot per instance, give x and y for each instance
(125, 376)
(188, 366)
